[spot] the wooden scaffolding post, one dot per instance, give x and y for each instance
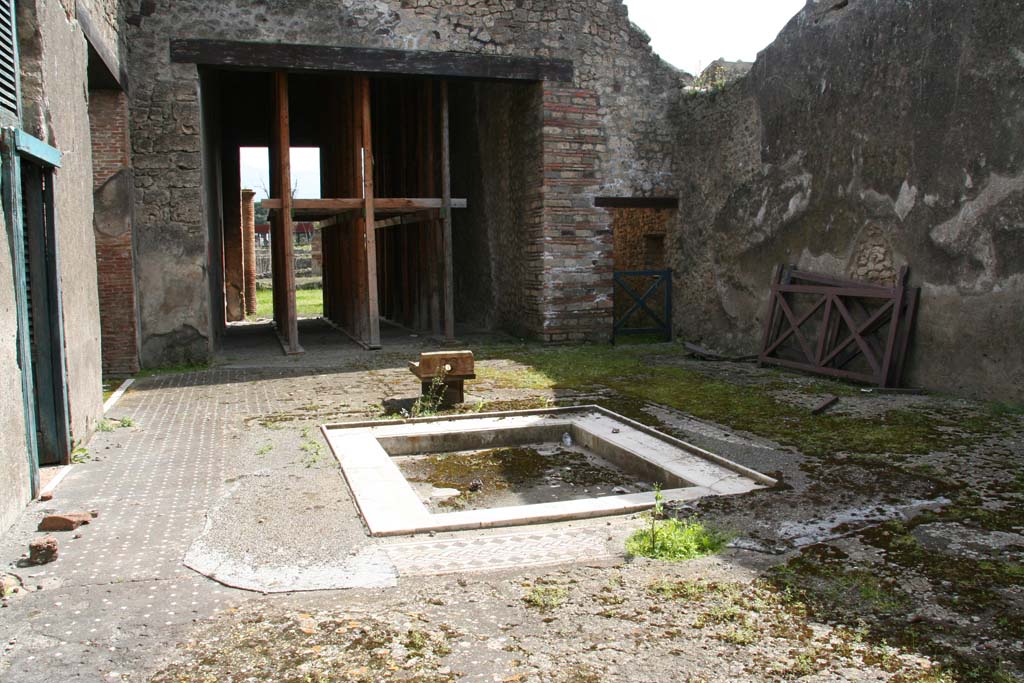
(282, 129)
(370, 242)
(446, 211)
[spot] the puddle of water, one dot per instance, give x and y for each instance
(522, 475)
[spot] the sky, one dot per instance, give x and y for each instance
(689, 34)
(305, 171)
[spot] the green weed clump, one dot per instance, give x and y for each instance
(546, 598)
(675, 540)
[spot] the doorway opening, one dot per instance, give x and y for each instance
(642, 277)
(254, 164)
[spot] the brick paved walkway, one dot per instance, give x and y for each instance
(153, 484)
(474, 551)
(122, 582)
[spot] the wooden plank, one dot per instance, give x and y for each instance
(259, 56)
(446, 194)
(282, 140)
(373, 308)
(389, 204)
(407, 219)
(637, 202)
(907, 322)
(827, 402)
(805, 277)
(43, 352)
(891, 344)
(862, 292)
(36, 149)
(58, 359)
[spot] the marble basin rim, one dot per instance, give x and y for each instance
(389, 505)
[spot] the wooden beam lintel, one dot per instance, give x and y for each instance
(334, 58)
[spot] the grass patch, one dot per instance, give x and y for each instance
(109, 387)
(105, 425)
(309, 303)
(514, 378)
(690, 591)
(79, 455)
(675, 540)
(174, 369)
(647, 374)
(546, 598)
(314, 451)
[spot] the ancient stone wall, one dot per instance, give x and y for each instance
(615, 109)
(15, 486)
(868, 136)
(54, 62)
(106, 17)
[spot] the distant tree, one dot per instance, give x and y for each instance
(262, 215)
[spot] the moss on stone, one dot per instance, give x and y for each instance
(648, 375)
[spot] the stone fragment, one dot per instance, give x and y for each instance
(48, 495)
(68, 521)
(9, 584)
(42, 550)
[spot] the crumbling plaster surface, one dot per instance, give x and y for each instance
(106, 18)
(14, 475)
(867, 137)
(612, 58)
(54, 60)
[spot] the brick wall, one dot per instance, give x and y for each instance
(534, 256)
(640, 238)
(576, 240)
(108, 118)
(108, 123)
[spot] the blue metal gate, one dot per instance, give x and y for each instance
(643, 303)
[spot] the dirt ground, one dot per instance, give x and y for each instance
(891, 550)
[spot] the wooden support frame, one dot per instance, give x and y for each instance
(850, 313)
(285, 310)
(434, 274)
(381, 204)
(446, 216)
(385, 137)
(370, 235)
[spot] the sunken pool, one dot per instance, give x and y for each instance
(501, 469)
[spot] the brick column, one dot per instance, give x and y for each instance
(316, 253)
(249, 250)
(576, 303)
(233, 278)
(113, 188)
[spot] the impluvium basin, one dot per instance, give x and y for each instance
(369, 454)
